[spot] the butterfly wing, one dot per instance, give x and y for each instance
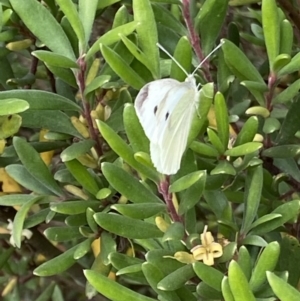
(152, 102)
(167, 153)
(165, 109)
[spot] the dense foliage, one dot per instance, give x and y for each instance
(84, 214)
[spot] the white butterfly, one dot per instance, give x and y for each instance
(165, 108)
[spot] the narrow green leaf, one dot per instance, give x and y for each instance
(239, 64)
(291, 67)
(222, 119)
(204, 149)
(267, 262)
(56, 265)
(288, 94)
(238, 283)
(147, 32)
(35, 165)
(187, 181)
(245, 149)
(19, 221)
(112, 289)
(42, 100)
(54, 59)
(76, 149)
(290, 124)
(226, 291)
(154, 275)
(282, 151)
(216, 141)
(33, 14)
(208, 275)
(11, 106)
(87, 12)
(62, 233)
(271, 27)
(139, 211)
(177, 279)
(253, 189)
(127, 227)
(174, 232)
(286, 37)
(119, 146)
(183, 55)
(83, 177)
(245, 261)
(135, 133)
(282, 290)
(111, 37)
(128, 185)
(214, 13)
(74, 207)
(122, 68)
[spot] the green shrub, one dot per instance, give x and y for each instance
(82, 201)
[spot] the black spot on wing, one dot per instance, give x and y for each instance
(155, 110)
(167, 115)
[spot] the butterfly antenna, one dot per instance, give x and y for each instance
(172, 58)
(206, 58)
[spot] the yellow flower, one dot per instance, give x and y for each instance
(208, 250)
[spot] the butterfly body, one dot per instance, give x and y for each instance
(165, 109)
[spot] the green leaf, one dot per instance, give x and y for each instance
(74, 207)
(223, 167)
(222, 119)
(135, 133)
(271, 125)
(238, 283)
(245, 261)
(290, 124)
(10, 106)
(119, 146)
(16, 199)
(139, 211)
(111, 37)
(281, 61)
(128, 185)
(32, 161)
(122, 68)
(58, 264)
(286, 37)
(21, 175)
(288, 94)
(267, 262)
(291, 67)
(104, 3)
(42, 100)
(239, 64)
(226, 291)
(208, 275)
(154, 275)
(177, 279)
(214, 13)
(204, 149)
(52, 120)
(19, 220)
(271, 27)
(282, 290)
(87, 12)
(288, 211)
(187, 181)
(253, 189)
(127, 227)
(70, 11)
(76, 149)
(82, 176)
(112, 289)
(54, 59)
(62, 233)
(147, 32)
(245, 149)
(174, 232)
(33, 14)
(216, 141)
(183, 55)
(282, 151)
